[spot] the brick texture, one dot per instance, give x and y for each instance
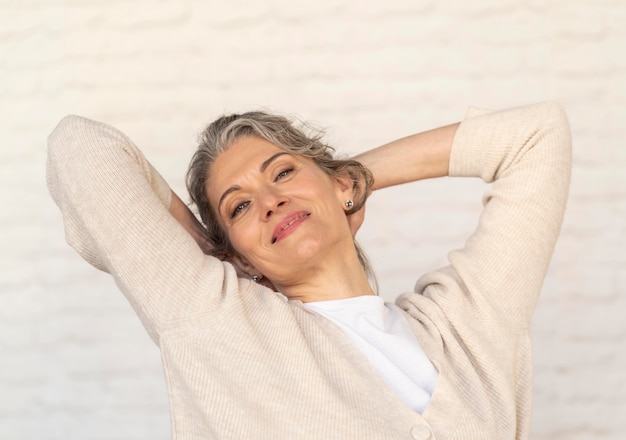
(76, 363)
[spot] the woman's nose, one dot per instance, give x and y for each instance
(269, 212)
(272, 202)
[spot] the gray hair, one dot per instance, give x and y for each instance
(280, 131)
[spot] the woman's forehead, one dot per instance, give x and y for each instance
(243, 157)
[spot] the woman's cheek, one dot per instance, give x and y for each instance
(244, 238)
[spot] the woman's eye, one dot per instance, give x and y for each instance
(284, 173)
(239, 208)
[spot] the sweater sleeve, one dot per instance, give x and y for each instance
(115, 208)
(525, 153)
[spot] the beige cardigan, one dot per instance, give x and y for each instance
(242, 362)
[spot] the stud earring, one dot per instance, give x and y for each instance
(349, 203)
(255, 278)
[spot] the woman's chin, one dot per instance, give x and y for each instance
(295, 263)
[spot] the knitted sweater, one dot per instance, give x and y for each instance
(243, 362)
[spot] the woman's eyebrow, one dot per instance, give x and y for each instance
(268, 161)
(262, 168)
(228, 191)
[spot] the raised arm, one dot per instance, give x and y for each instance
(419, 156)
(116, 210)
(525, 153)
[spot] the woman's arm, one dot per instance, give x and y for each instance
(525, 153)
(116, 211)
(419, 156)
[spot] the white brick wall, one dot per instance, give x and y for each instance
(75, 362)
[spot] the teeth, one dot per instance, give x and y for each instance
(291, 222)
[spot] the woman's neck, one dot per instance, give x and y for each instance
(337, 279)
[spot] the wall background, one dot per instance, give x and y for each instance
(75, 362)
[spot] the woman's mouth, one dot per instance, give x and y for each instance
(289, 224)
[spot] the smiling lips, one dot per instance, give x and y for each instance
(288, 225)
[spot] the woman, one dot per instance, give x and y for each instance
(452, 360)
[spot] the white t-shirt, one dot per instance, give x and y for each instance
(384, 336)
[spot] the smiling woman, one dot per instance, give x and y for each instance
(279, 132)
(257, 180)
(264, 315)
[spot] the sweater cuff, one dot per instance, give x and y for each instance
(463, 157)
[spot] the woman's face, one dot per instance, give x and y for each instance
(281, 212)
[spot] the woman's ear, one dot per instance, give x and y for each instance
(348, 192)
(344, 181)
(345, 186)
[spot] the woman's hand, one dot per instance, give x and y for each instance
(188, 220)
